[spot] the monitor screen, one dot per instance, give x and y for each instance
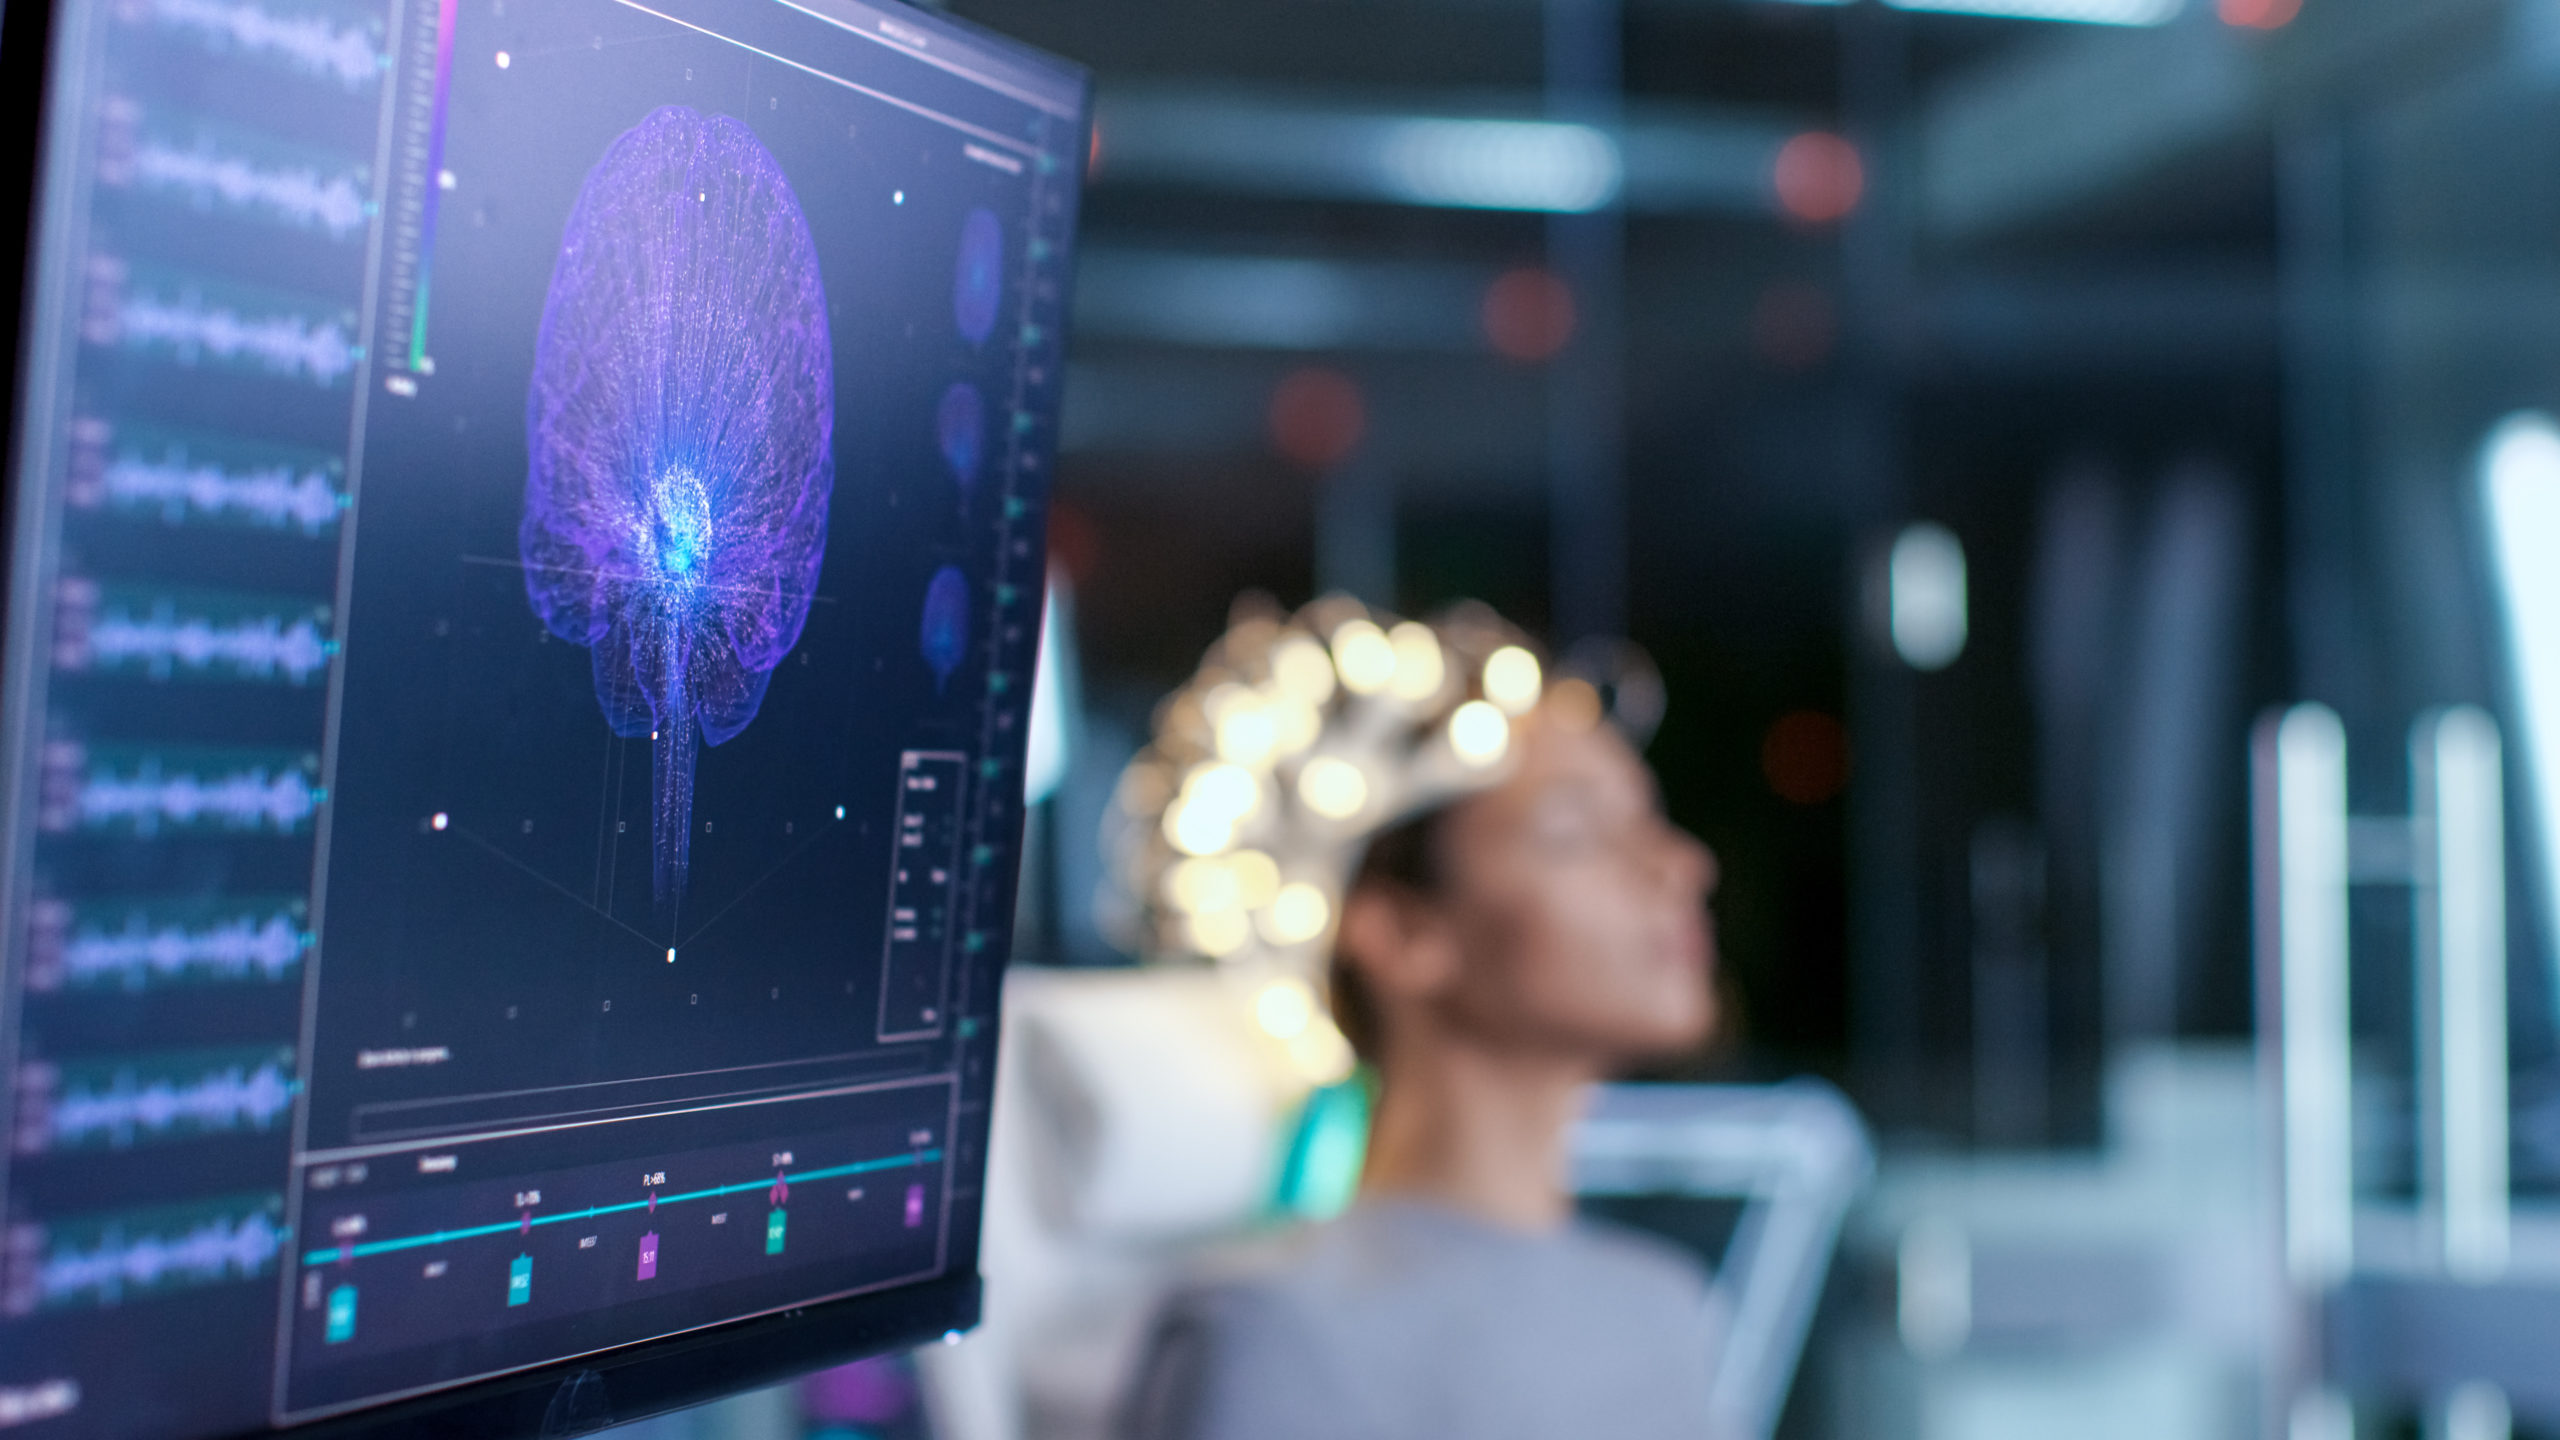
(525, 539)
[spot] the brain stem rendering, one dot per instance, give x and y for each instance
(679, 428)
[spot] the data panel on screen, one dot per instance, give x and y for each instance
(524, 575)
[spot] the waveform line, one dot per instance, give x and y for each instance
(297, 194)
(127, 1106)
(283, 344)
(203, 1254)
(234, 949)
(257, 647)
(275, 495)
(246, 799)
(306, 43)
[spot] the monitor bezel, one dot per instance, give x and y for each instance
(651, 1377)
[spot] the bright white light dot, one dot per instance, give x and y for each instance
(1299, 666)
(505, 60)
(1197, 829)
(1227, 790)
(1479, 733)
(839, 812)
(1321, 1054)
(671, 955)
(1256, 876)
(1198, 886)
(439, 820)
(1246, 734)
(897, 197)
(1220, 933)
(1363, 656)
(1297, 915)
(1512, 680)
(1285, 1007)
(1419, 668)
(1334, 789)
(1926, 594)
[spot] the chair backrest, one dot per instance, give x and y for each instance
(1784, 1160)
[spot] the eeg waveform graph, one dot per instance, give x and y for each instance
(338, 44)
(142, 944)
(132, 1255)
(185, 479)
(161, 635)
(150, 790)
(152, 1099)
(197, 321)
(215, 168)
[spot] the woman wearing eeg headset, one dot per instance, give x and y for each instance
(1480, 868)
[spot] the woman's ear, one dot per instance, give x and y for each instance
(1399, 943)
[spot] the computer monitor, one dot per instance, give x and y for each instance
(524, 551)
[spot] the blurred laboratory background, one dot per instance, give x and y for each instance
(2085, 471)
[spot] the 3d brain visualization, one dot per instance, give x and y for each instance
(679, 427)
(944, 636)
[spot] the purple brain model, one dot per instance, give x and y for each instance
(977, 283)
(682, 405)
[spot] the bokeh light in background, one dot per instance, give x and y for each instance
(1806, 757)
(1528, 314)
(1317, 417)
(1819, 177)
(2259, 14)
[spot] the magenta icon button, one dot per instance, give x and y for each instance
(649, 1256)
(915, 1206)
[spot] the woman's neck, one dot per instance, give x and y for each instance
(1481, 1132)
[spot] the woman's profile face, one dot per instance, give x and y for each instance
(1581, 912)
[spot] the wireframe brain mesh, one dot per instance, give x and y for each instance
(679, 427)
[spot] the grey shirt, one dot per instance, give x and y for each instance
(1406, 1321)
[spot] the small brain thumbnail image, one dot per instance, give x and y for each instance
(679, 428)
(961, 425)
(977, 287)
(945, 636)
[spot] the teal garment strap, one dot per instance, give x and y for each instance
(1320, 1173)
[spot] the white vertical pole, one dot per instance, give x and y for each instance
(2462, 937)
(2311, 858)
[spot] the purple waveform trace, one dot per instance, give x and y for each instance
(961, 425)
(945, 636)
(977, 288)
(679, 425)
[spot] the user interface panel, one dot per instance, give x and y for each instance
(524, 576)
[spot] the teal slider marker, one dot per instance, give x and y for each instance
(342, 1315)
(520, 1280)
(773, 1231)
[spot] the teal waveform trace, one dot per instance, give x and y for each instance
(367, 1248)
(139, 943)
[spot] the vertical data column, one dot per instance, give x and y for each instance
(924, 875)
(194, 502)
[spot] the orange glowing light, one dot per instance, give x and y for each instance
(1528, 314)
(1820, 177)
(1317, 417)
(2259, 14)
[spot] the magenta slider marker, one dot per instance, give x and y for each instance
(915, 1206)
(649, 1256)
